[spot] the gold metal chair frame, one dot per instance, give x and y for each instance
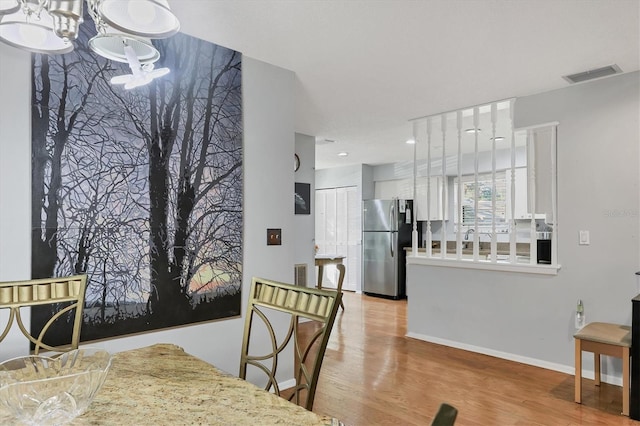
(15, 295)
(300, 302)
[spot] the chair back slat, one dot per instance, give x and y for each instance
(16, 295)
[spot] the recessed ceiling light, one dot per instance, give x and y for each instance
(497, 138)
(411, 141)
(473, 130)
(343, 154)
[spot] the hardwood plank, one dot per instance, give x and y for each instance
(374, 375)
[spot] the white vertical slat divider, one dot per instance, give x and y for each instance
(554, 207)
(494, 245)
(429, 234)
(530, 150)
(512, 207)
(414, 232)
(443, 226)
(476, 234)
(531, 194)
(459, 192)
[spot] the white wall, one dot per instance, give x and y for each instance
(15, 178)
(304, 224)
(268, 201)
(368, 184)
(530, 318)
(339, 177)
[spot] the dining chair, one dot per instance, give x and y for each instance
(319, 306)
(446, 415)
(64, 295)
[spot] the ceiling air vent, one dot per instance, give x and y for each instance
(591, 74)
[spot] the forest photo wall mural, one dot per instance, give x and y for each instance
(140, 189)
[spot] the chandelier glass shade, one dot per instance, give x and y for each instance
(152, 19)
(112, 46)
(50, 26)
(32, 31)
(9, 6)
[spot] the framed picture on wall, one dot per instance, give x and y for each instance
(303, 198)
(153, 198)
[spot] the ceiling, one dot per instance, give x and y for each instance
(364, 68)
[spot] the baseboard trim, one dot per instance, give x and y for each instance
(287, 384)
(567, 369)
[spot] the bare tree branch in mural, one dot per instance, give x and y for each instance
(39, 159)
(104, 214)
(176, 257)
(54, 119)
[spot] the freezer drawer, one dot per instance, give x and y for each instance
(380, 263)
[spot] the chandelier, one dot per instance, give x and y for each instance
(123, 27)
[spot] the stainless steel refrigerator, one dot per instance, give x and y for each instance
(386, 231)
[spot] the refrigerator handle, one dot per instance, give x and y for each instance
(392, 216)
(392, 223)
(391, 244)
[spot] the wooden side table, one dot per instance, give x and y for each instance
(331, 259)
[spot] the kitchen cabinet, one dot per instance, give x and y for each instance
(434, 191)
(522, 210)
(403, 189)
(390, 189)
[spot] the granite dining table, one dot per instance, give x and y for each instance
(164, 385)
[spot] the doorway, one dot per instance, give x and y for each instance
(339, 231)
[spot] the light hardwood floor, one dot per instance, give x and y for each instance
(374, 375)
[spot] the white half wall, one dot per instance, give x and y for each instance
(268, 202)
(531, 317)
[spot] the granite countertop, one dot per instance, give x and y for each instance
(163, 385)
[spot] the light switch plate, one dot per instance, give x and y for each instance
(584, 238)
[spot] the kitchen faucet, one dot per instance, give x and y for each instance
(466, 234)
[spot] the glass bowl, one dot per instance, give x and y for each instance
(53, 391)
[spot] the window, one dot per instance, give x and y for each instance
(484, 198)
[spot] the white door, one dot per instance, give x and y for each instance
(339, 231)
